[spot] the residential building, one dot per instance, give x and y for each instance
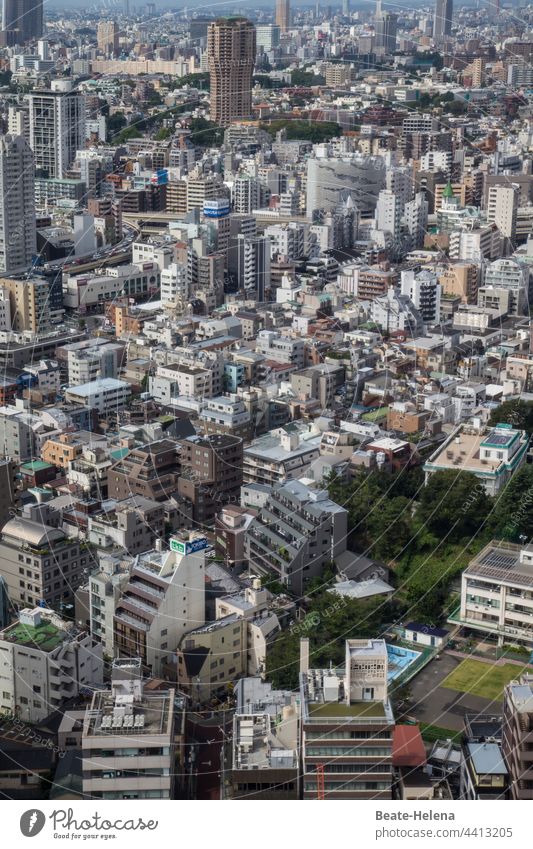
(265, 762)
(29, 301)
(57, 127)
(163, 596)
(497, 593)
(347, 725)
(298, 532)
(107, 395)
(43, 661)
(517, 736)
(493, 457)
(150, 471)
(231, 49)
(132, 525)
(281, 454)
(18, 240)
(128, 743)
(40, 563)
(211, 473)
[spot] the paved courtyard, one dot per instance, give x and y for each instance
(436, 705)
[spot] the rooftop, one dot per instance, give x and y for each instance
(341, 709)
(45, 637)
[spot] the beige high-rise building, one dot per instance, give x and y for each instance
(283, 14)
(231, 46)
(107, 38)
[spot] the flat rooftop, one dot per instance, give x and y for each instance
(500, 561)
(152, 714)
(44, 637)
(341, 709)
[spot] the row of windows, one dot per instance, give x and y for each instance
(348, 785)
(357, 751)
(347, 735)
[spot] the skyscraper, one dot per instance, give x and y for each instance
(231, 47)
(17, 204)
(22, 20)
(107, 37)
(386, 29)
(57, 127)
(283, 14)
(442, 24)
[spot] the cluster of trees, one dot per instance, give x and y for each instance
(316, 132)
(328, 622)
(205, 133)
(200, 80)
(306, 78)
(425, 533)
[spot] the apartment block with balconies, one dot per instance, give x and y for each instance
(497, 593)
(517, 742)
(43, 661)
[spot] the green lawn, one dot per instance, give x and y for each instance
(432, 733)
(482, 679)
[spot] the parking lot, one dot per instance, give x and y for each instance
(436, 705)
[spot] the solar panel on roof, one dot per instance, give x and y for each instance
(496, 437)
(493, 558)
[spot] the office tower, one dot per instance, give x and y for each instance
(283, 14)
(347, 725)
(18, 243)
(107, 38)
(442, 25)
(386, 29)
(267, 36)
(231, 47)
(516, 738)
(57, 127)
(346, 8)
(22, 20)
(133, 727)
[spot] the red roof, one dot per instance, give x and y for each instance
(408, 747)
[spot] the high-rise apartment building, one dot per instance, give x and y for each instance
(283, 14)
(442, 25)
(107, 38)
(17, 205)
(502, 208)
(231, 47)
(22, 20)
(57, 127)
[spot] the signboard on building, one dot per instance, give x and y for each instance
(188, 546)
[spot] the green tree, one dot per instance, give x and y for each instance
(516, 412)
(453, 503)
